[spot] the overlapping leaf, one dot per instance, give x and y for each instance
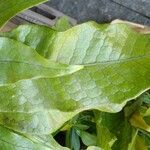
(9, 8)
(18, 61)
(122, 63)
(35, 36)
(87, 43)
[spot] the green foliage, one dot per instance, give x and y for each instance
(10, 140)
(72, 139)
(62, 24)
(9, 8)
(86, 81)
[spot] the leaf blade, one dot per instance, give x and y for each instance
(24, 63)
(10, 8)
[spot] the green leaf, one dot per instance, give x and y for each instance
(147, 113)
(146, 138)
(124, 70)
(87, 138)
(147, 120)
(87, 43)
(36, 36)
(9, 8)
(117, 128)
(105, 142)
(70, 94)
(62, 24)
(83, 120)
(94, 148)
(72, 139)
(146, 97)
(132, 144)
(18, 61)
(134, 106)
(10, 140)
(123, 136)
(140, 145)
(137, 142)
(137, 121)
(90, 43)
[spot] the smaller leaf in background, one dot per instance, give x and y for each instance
(146, 138)
(123, 136)
(72, 139)
(147, 119)
(146, 97)
(142, 110)
(131, 145)
(117, 125)
(106, 141)
(145, 108)
(137, 121)
(147, 113)
(132, 106)
(62, 24)
(87, 138)
(139, 144)
(81, 126)
(94, 148)
(84, 121)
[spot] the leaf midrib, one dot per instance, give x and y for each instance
(118, 61)
(31, 64)
(98, 63)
